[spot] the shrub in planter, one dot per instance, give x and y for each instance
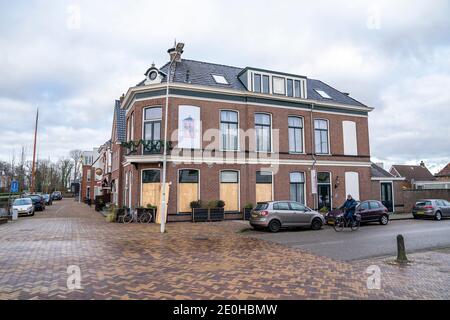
(323, 210)
(196, 204)
(247, 210)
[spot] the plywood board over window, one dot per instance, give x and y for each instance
(229, 189)
(264, 189)
(188, 183)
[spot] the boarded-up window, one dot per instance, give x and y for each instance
(229, 189)
(187, 189)
(264, 186)
(352, 184)
(350, 140)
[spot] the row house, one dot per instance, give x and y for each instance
(242, 135)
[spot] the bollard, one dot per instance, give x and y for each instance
(401, 252)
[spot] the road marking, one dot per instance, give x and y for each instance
(60, 208)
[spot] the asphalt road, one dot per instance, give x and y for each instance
(372, 240)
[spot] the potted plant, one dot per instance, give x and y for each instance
(323, 210)
(247, 210)
(199, 214)
(111, 216)
(216, 210)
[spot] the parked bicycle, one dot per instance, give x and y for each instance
(132, 215)
(341, 223)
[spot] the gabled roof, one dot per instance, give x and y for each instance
(445, 172)
(379, 172)
(200, 73)
(416, 173)
(119, 118)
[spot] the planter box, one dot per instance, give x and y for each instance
(247, 213)
(216, 214)
(200, 215)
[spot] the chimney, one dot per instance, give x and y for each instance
(422, 164)
(176, 52)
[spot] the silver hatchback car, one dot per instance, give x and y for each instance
(275, 215)
(431, 208)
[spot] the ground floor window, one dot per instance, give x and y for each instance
(229, 189)
(264, 190)
(297, 187)
(151, 187)
(188, 188)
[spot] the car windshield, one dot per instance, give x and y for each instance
(261, 206)
(21, 202)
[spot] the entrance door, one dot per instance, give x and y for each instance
(386, 195)
(324, 196)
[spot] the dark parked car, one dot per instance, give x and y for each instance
(38, 202)
(57, 195)
(48, 199)
(370, 211)
(431, 208)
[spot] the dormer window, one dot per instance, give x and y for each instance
(219, 79)
(271, 82)
(278, 85)
(323, 94)
(153, 75)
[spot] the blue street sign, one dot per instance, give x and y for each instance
(14, 186)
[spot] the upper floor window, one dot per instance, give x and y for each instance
(321, 136)
(323, 94)
(295, 134)
(229, 127)
(257, 83)
(263, 128)
(297, 91)
(265, 84)
(220, 79)
(278, 85)
(290, 87)
(152, 123)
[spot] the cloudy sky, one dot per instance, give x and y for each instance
(72, 59)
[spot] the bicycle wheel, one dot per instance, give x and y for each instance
(145, 218)
(339, 225)
(127, 218)
(355, 225)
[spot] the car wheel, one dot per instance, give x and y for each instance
(316, 224)
(438, 216)
(384, 220)
(274, 226)
(32, 214)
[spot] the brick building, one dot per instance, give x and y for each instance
(242, 135)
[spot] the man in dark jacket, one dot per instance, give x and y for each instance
(349, 206)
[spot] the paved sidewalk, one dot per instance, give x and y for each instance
(190, 261)
(401, 216)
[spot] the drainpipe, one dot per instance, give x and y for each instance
(313, 152)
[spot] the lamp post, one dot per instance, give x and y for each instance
(174, 54)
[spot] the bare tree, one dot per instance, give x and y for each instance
(65, 167)
(76, 155)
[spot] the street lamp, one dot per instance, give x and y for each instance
(175, 53)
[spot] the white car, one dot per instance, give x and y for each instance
(24, 206)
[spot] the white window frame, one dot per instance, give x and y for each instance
(270, 131)
(221, 148)
(303, 135)
(328, 134)
(239, 184)
(304, 184)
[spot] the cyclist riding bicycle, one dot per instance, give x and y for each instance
(349, 206)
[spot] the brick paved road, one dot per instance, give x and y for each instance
(192, 261)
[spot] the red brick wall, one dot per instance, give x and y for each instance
(209, 175)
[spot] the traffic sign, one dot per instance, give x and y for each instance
(14, 186)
